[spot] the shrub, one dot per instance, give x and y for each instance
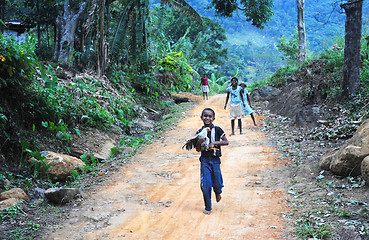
(16, 65)
(177, 70)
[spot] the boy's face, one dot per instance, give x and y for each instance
(234, 82)
(207, 117)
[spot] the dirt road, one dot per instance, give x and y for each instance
(158, 196)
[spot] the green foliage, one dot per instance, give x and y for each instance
(218, 85)
(279, 77)
(129, 141)
(256, 11)
(200, 44)
(175, 66)
(255, 60)
(309, 227)
(289, 48)
(16, 65)
(60, 129)
(9, 213)
(40, 166)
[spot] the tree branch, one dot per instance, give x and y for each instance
(242, 9)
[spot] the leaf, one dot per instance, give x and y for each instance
(78, 132)
(183, 7)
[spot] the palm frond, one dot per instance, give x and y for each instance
(183, 7)
(121, 28)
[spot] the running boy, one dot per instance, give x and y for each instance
(236, 111)
(247, 108)
(211, 176)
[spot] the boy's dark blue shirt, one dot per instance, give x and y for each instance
(218, 135)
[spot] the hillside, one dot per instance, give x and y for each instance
(324, 21)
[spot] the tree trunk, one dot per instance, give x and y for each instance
(101, 45)
(38, 25)
(66, 26)
(301, 30)
(352, 61)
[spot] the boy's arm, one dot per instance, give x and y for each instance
(224, 142)
(225, 105)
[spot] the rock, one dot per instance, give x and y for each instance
(38, 193)
(61, 195)
(326, 159)
(180, 99)
(10, 202)
(264, 93)
(94, 143)
(145, 123)
(60, 164)
(15, 193)
(365, 169)
(347, 160)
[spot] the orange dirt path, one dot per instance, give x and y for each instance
(157, 195)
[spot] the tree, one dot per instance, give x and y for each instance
(101, 58)
(66, 26)
(201, 44)
(301, 30)
(259, 12)
(132, 24)
(352, 60)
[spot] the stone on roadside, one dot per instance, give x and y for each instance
(94, 143)
(347, 160)
(8, 203)
(365, 169)
(61, 195)
(16, 193)
(12, 197)
(60, 165)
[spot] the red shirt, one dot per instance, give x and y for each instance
(204, 81)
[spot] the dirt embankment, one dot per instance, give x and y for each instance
(157, 195)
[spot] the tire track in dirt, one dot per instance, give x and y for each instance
(158, 196)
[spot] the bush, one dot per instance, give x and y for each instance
(16, 65)
(177, 70)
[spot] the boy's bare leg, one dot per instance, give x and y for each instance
(206, 212)
(253, 119)
(240, 125)
(232, 126)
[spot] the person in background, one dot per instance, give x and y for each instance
(247, 108)
(204, 87)
(236, 103)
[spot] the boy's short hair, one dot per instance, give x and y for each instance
(234, 78)
(208, 109)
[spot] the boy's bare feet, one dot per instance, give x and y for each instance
(206, 212)
(218, 197)
(231, 134)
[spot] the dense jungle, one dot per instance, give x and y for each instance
(98, 97)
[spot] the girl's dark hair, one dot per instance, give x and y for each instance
(208, 109)
(234, 78)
